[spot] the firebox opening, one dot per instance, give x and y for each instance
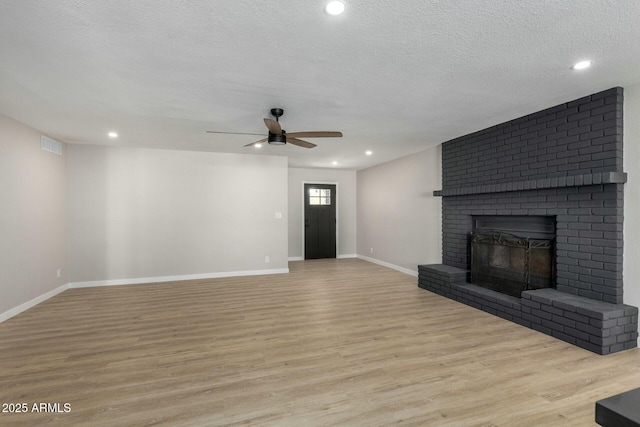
(511, 254)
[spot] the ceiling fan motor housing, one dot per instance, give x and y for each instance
(277, 139)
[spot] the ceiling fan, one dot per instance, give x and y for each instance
(278, 136)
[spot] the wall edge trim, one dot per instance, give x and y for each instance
(389, 265)
(32, 303)
(161, 279)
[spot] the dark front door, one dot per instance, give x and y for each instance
(319, 221)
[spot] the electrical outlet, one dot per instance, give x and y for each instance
(371, 250)
(267, 260)
(58, 273)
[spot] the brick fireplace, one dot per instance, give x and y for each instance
(565, 164)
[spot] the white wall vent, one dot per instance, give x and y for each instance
(51, 145)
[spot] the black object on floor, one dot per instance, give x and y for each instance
(621, 410)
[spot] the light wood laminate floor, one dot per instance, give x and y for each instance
(335, 342)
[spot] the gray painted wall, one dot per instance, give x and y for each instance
(33, 242)
(631, 266)
(398, 216)
(139, 213)
(346, 188)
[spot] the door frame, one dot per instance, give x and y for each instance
(303, 215)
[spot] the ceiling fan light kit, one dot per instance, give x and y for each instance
(278, 136)
(277, 139)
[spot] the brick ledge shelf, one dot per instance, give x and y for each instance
(597, 326)
(537, 184)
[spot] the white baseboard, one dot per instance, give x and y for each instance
(32, 303)
(143, 280)
(389, 265)
(27, 305)
(296, 258)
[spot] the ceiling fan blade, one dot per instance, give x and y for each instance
(299, 142)
(256, 142)
(274, 127)
(235, 133)
(321, 134)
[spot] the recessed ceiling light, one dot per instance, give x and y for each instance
(368, 153)
(258, 145)
(334, 8)
(335, 163)
(581, 65)
(113, 134)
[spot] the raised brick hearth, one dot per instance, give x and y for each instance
(564, 162)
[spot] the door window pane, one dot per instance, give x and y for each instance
(319, 196)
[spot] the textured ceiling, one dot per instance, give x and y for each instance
(395, 76)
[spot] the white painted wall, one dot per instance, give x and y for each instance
(142, 213)
(398, 216)
(33, 235)
(137, 213)
(631, 267)
(346, 189)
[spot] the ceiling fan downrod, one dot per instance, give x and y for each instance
(274, 138)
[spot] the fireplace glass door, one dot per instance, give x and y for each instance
(510, 264)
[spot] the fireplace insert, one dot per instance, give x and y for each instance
(511, 264)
